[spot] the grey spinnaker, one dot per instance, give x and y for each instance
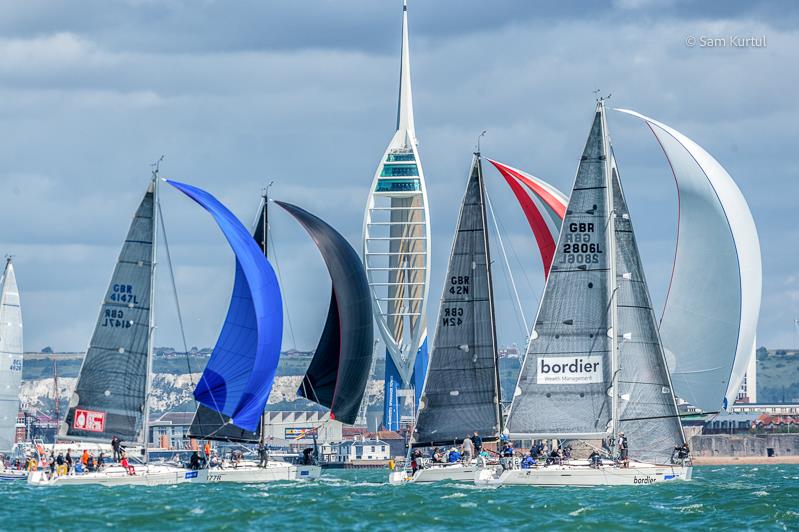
(109, 397)
(10, 356)
(461, 391)
(647, 411)
(339, 371)
(563, 385)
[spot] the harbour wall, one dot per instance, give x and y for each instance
(745, 445)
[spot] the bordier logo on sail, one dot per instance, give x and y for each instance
(89, 420)
(570, 370)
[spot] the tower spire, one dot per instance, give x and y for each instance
(405, 104)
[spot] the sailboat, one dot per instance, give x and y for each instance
(595, 366)
(10, 364)
(461, 392)
(113, 387)
(232, 402)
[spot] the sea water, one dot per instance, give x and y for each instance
(734, 497)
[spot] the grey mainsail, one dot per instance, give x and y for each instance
(461, 391)
(563, 386)
(10, 356)
(110, 395)
(647, 412)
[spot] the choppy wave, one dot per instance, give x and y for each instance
(730, 497)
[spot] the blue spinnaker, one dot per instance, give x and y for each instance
(239, 374)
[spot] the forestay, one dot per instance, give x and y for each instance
(109, 397)
(239, 375)
(339, 370)
(564, 382)
(10, 356)
(461, 391)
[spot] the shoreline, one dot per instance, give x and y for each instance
(743, 460)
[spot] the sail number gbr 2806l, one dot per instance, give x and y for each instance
(578, 245)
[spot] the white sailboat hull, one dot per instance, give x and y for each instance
(274, 471)
(115, 475)
(457, 472)
(13, 474)
(638, 474)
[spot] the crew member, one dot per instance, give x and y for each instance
(623, 450)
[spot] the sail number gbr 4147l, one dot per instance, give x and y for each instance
(579, 246)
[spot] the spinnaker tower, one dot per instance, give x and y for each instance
(396, 255)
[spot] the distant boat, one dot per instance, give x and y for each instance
(236, 383)
(461, 392)
(10, 363)
(595, 366)
(708, 334)
(113, 387)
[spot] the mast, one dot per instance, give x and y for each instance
(264, 240)
(153, 257)
(491, 314)
(612, 280)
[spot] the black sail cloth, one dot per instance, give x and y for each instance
(461, 391)
(109, 396)
(339, 371)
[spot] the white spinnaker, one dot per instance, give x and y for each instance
(10, 356)
(713, 304)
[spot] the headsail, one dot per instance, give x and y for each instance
(564, 381)
(238, 378)
(461, 391)
(709, 334)
(647, 412)
(10, 356)
(339, 371)
(110, 395)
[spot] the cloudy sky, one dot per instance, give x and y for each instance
(238, 93)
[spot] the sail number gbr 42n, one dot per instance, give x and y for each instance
(578, 245)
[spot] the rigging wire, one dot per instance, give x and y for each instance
(282, 284)
(175, 293)
(507, 266)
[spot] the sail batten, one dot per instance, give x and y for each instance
(461, 390)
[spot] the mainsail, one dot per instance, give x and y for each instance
(111, 392)
(647, 411)
(10, 356)
(563, 384)
(339, 370)
(238, 377)
(461, 390)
